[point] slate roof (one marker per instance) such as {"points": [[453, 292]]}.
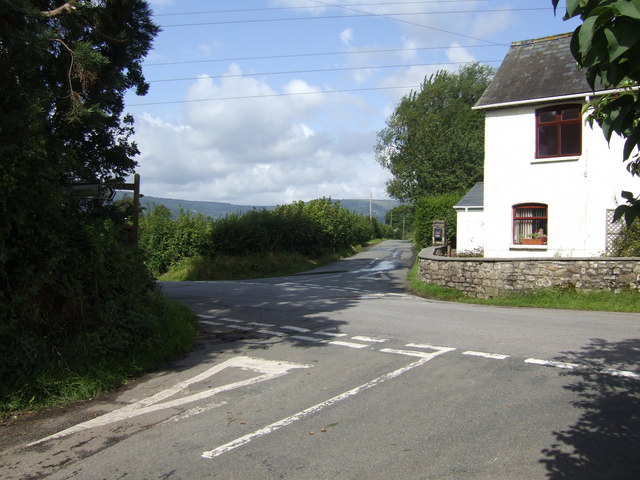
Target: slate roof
{"points": [[474, 197], [532, 69]]}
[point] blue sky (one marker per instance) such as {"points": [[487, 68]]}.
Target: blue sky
{"points": [[264, 102]]}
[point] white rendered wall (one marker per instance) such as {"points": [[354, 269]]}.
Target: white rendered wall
{"points": [[577, 190], [470, 229]]}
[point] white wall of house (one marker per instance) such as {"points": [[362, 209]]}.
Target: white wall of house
{"points": [[578, 190], [470, 229]]}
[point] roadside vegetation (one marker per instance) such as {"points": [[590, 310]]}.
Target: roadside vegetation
{"points": [[259, 243], [79, 311]]}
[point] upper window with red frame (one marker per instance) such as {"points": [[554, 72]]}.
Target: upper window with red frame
{"points": [[559, 131]]}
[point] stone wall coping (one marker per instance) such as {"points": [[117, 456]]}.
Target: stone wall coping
{"points": [[428, 253]]}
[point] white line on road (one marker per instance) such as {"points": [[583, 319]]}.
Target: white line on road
{"points": [[551, 363], [369, 339], [621, 373], [192, 412], [295, 329], [426, 346], [495, 356], [214, 324], [309, 339], [347, 344], [316, 408], [271, 332], [414, 353], [330, 334]]}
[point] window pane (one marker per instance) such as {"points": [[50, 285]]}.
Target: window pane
{"points": [[530, 221], [547, 117], [547, 140], [570, 139], [570, 114]]}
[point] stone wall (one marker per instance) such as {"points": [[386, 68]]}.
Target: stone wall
{"points": [[489, 277]]}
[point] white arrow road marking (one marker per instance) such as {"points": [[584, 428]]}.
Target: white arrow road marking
{"points": [[425, 357], [268, 369]]}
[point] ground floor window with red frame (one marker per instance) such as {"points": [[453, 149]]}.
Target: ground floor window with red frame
{"points": [[530, 224]]}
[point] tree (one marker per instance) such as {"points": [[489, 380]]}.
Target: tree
{"points": [[607, 46], [400, 219], [65, 270], [434, 142]]}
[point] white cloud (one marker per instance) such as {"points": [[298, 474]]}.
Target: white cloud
{"points": [[207, 49], [458, 54], [346, 36], [257, 151]]}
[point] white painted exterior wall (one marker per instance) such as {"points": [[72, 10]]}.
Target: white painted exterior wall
{"points": [[469, 229], [577, 190]]}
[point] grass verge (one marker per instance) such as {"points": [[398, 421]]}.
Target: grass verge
{"points": [[564, 298], [259, 265], [78, 372]]}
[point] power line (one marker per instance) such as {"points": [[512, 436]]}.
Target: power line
{"points": [[313, 54], [309, 7], [415, 24], [317, 70], [322, 92], [357, 15]]}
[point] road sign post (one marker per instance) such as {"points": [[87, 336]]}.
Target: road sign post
{"points": [[135, 217]]}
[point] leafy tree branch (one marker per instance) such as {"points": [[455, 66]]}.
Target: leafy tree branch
{"points": [[607, 46]]}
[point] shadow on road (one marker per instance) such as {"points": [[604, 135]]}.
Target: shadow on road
{"points": [[605, 442]]}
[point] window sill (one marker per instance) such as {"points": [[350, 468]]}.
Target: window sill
{"points": [[528, 247], [572, 158]]}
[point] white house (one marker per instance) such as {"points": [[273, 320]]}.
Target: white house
{"points": [[549, 178]]}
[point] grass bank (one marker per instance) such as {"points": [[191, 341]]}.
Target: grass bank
{"points": [[547, 298], [248, 266], [81, 372]]}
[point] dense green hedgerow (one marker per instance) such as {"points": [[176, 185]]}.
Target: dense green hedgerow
{"points": [[305, 228], [430, 209], [89, 310]]}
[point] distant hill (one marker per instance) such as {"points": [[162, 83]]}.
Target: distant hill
{"points": [[218, 210]]}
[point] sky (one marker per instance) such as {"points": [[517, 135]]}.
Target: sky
{"points": [[266, 102]]}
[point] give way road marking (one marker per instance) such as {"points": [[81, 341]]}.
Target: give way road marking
{"points": [[268, 369]]}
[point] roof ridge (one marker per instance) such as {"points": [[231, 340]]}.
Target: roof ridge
{"points": [[549, 38]]}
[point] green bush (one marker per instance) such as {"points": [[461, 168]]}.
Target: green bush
{"points": [[166, 241], [400, 219], [89, 302], [309, 229], [628, 242]]}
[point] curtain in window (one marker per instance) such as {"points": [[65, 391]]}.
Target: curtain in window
{"points": [[529, 221]]}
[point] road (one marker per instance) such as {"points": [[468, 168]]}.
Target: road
{"points": [[340, 374]]}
